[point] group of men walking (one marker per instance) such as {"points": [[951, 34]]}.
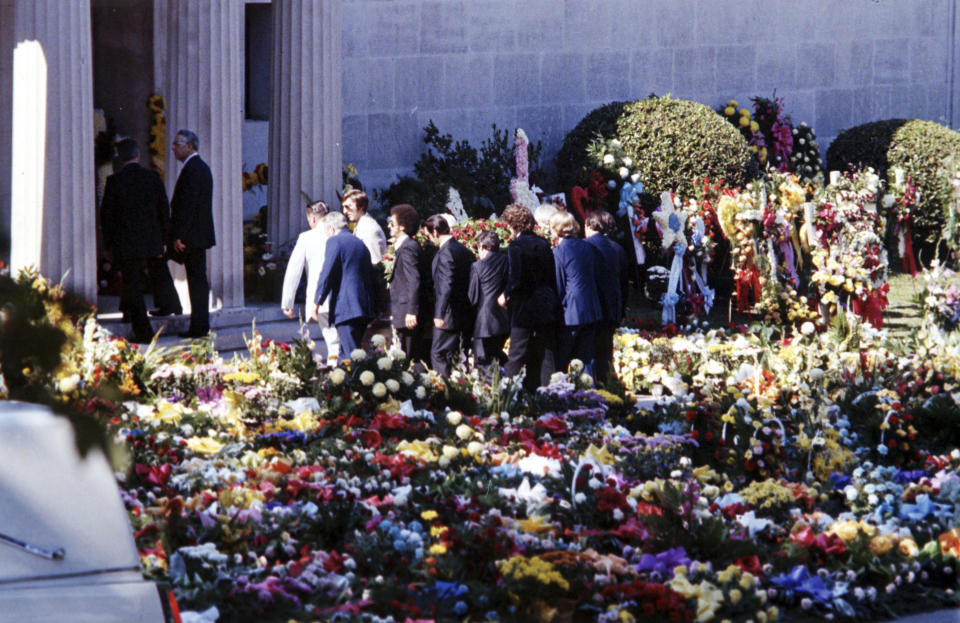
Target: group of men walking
{"points": [[554, 305]]}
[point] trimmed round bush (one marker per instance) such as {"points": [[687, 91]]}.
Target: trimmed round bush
{"points": [[674, 143], [919, 148], [573, 163]]}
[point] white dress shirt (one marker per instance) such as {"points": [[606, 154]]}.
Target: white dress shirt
{"points": [[310, 248], [368, 231]]}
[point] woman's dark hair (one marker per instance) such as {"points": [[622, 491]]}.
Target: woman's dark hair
{"points": [[518, 218]]}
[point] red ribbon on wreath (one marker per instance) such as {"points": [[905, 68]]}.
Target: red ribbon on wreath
{"points": [[905, 234], [748, 287], [870, 306]]}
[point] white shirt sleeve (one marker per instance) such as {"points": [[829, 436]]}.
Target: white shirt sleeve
{"points": [[370, 233], [291, 278]]}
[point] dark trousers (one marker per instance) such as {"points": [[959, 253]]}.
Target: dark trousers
{"points": [[350, 333], [603, 351], [534, 348], [489, 350], [446, 343], [413, 343], [576, 342], [165, 296], [195, 262], [132, 296]]}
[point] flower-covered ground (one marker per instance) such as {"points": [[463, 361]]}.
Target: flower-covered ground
{"points": [[733, 476]]}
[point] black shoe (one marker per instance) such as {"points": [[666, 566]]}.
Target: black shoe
{"points": [[191, 334], [165, 312]]}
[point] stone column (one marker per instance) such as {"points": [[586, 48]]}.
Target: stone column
{"points": [[305, 112], [6, 123], [204, 92], [53, 178]]}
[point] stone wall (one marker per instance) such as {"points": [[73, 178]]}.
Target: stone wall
{"points": [[543, 64]]}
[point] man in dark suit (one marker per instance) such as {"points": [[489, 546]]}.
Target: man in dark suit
{"points": [[613, 285], [488, 280], [134, 216], [192, 227], [577, 279], [347, 279], [409, 299], [452, 314], [531, 300]]}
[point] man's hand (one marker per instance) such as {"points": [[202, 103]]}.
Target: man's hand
{"points": [[288, 313], [178, 246], [410, 320], [439, 323]]}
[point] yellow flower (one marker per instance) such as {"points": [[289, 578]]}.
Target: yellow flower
{"points": [[601, 455], [744, 122], [438, 548], [244, 378], [429, 515], [846, 530], [908, 547], [733, 103], [754, 126], [204, 445], [729, 111], [881, 544], [735, 596], [535, 525]]}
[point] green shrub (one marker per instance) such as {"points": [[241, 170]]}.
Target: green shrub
{"points": [[674, 144], [919, 148], [481, 177], [573, 166]]}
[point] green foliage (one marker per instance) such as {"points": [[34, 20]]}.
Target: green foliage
{"points": [[674, 144], [918, 147], [37, 329], [573, 167], [482, 177]]}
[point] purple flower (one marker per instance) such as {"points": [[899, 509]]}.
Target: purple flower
{"points": [[664, 562]]}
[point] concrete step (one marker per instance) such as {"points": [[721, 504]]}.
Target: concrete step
{"points": [[231, 327]]}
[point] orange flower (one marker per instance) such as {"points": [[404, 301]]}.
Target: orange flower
{"points": [[950, 542]]}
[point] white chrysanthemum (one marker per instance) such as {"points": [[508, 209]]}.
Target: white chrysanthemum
{"points": [[586, 380], [474, 448], [385, 363], [68, 383], [454, 418], [379, 390], [624, 173], [450, 451], [393, 386], [575, 366], [608, 159], [367, 378], [407, 378], [378, 341], [464, 432], [358, 354], [627, 162], [420, 393], [338, 376], [807, 328]]}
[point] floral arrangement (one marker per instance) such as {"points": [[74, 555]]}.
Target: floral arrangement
{"points": [[158, 133], [262, 266], [773, 139], [256, 178], [754, 485], [940, 297], [850, 264]]}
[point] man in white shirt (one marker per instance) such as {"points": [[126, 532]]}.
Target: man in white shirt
{"points": [[310, 248], [355, 203]]}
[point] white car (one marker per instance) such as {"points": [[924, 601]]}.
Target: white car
{"points": [[67, 553]]}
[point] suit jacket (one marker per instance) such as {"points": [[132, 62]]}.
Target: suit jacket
{"points": [[134, 213], [488, 279], [347, 279], [612, 281], [577, 278], [451, 279], [192, 206], [532, 299], [407, 292]]}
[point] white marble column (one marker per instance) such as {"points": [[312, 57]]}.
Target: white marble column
{"points": [[52, 177], [305, 112], [6, 123], [203, 86]]}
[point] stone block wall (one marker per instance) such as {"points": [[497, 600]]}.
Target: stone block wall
{"points": [[543, 64]]}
